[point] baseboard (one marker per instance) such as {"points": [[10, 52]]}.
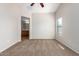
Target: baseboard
{"points": [[41, 39], [67, 45], [15, 42]]}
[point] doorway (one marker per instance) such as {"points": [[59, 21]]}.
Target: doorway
{"points": [[25, 22]]}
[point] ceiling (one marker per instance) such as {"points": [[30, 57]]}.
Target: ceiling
{"points": [[48, 7]]}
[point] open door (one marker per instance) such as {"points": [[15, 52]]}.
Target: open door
{"points": [[25, 22]]}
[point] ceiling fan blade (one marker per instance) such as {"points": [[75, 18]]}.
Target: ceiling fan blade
{"points": [[42, 5], [32, 4]]}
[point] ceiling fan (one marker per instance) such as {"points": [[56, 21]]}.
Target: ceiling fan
{"points": [[41, 4]]}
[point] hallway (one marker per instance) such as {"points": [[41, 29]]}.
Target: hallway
{"points": [[38, 48]]}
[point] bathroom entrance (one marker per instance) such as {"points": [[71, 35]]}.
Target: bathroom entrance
{"points": [[25, 22]]}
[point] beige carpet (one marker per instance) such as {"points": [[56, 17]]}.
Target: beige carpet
{"points": [[38, 48]]}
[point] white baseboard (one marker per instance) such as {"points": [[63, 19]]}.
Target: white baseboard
{"points": [[66, 44], [9, 45]]}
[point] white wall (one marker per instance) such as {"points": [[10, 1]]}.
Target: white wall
{"points": [[35, 11], [43, 26], [10, 24], [48, 8], [36, 8], [25, 10], [9, 17], [70, 33]]}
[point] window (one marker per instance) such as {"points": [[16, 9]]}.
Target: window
{"points": [[59, 25]]}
